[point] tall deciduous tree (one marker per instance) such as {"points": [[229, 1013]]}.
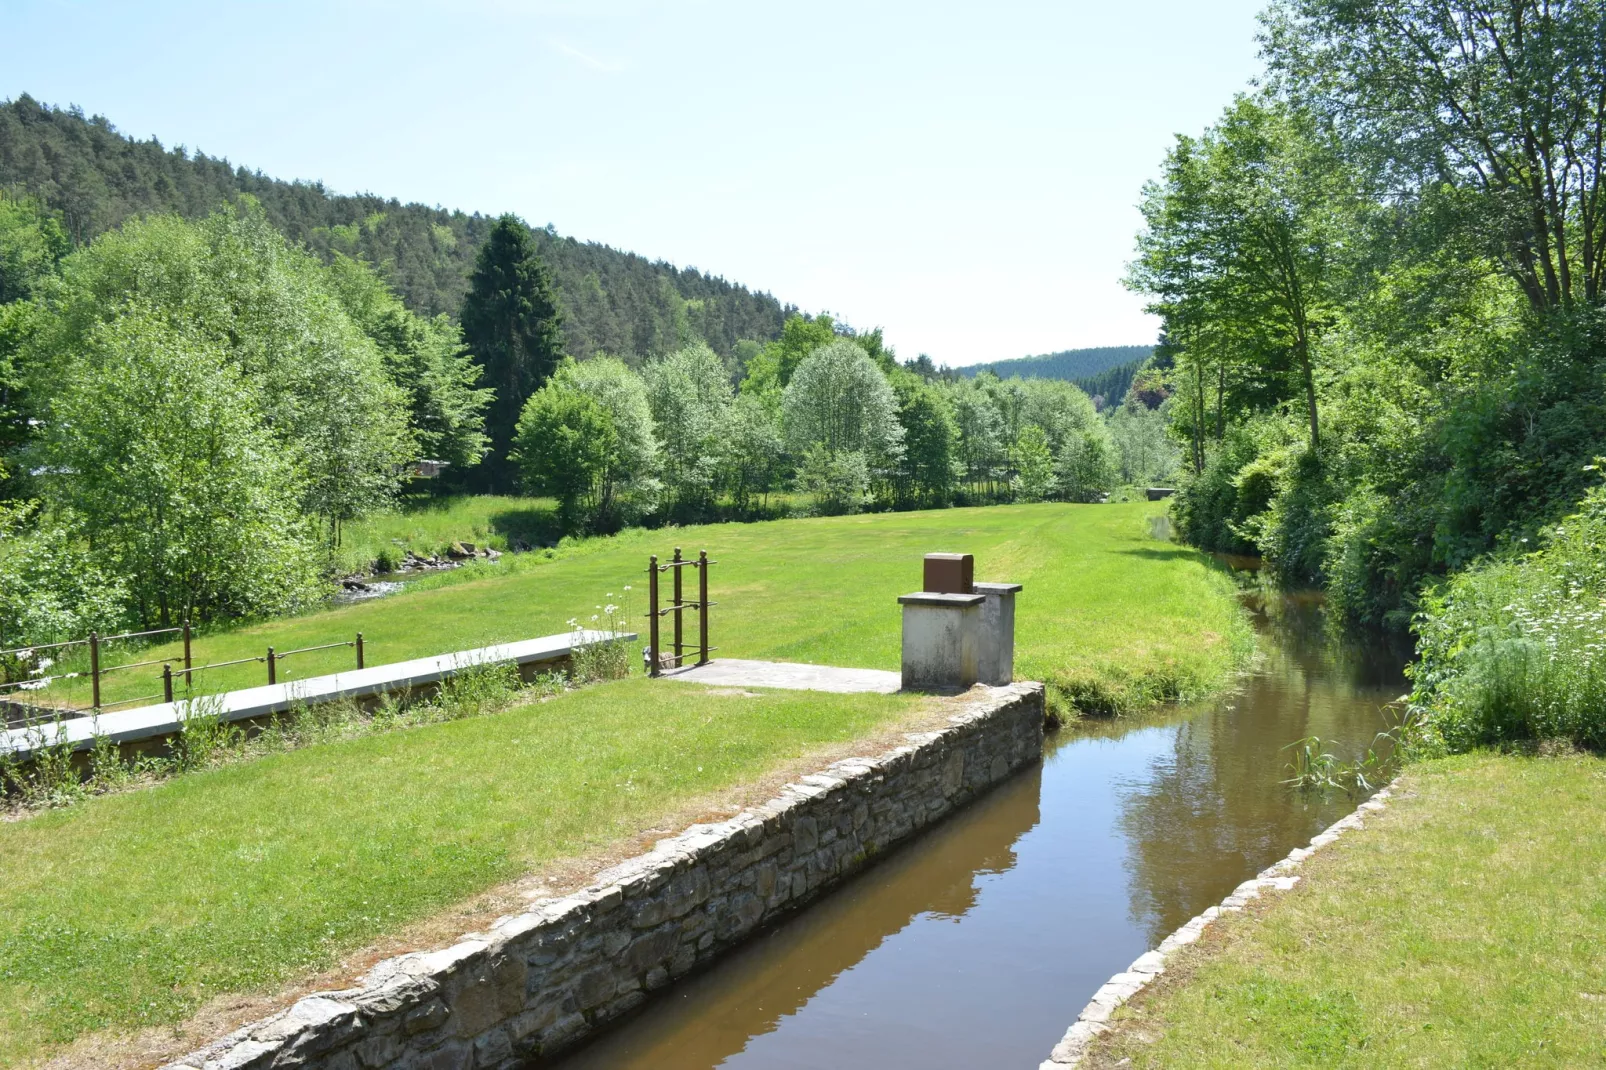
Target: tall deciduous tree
{"points": [[564, 446], [627, 485], [927, 472], [840, 416], [690, 396], [323, 392], [513, 325], [1241, 240], [425, 358], [158, 446], [1505, 100]]}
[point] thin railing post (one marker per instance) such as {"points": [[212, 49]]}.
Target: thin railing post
{"points": [[186, 654], [679, 644], [359, 650], [167, 683], [652, 615], [273, 670], [702, 607], [94, 669]]}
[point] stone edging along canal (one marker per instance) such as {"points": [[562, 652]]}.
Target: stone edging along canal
{"points": [[1279, 876], [539, 982]]}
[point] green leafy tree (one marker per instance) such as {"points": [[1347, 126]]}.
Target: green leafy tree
{"points": [[52, 588], [1147, 453], [1034, 466], [1084, 467], [770, 369], [564, 447], [981, 453], [1240, 247], [1504, 101], [839, 399], [691, 396], [158, 449], [628, 487], [233, 282], [32, 245], [926, 475], [513, 325], [752, 454], [426, 359], [834, 482]]}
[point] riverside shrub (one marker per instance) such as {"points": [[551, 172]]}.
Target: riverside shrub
{"points": [[1514, 648]]}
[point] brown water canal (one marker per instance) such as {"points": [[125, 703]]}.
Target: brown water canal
{"points": [[978, 944]]}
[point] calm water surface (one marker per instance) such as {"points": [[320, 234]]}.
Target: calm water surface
{"points": [[978, 944]]}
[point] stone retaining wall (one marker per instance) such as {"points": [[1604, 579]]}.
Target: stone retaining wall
{"points": [[539, 982]]}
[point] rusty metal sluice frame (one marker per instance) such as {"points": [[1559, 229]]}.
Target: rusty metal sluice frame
{"points": [[655, 658]]}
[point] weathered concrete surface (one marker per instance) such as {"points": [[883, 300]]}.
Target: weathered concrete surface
{"points": [[734, 672], [996, 661], [538, 982], [166, 718], [941, 640]]}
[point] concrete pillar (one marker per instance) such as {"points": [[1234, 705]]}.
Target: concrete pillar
{"points": [[996, 664], [941, 640]]}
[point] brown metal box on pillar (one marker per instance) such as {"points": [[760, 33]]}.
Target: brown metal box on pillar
{"points": [[950, 574]]}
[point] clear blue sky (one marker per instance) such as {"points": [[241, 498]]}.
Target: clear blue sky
{"points": [[964, 175]]}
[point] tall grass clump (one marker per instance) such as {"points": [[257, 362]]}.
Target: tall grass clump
{"points": [[1514, 649]]}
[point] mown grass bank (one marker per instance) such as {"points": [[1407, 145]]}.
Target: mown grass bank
{"points": [[1111, 618], [1461, 927], [429, 525], [132, 910]]}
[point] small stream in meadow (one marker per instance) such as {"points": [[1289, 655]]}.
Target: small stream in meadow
{"points": [[978, 944]]}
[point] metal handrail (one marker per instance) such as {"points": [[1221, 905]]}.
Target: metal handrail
{"points": [[309, 649], [87, 641]]}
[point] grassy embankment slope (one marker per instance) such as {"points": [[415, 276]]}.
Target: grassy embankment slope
{"points": [[1111, 618], [1461, 927], [133, 910]]}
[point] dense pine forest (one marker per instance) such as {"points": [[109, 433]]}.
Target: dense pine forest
{"points": [[1070, 364], [85, 169]]}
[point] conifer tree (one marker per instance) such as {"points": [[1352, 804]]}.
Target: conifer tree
{"points": [[513, 326]]}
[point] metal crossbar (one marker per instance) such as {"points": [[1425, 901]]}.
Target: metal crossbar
{"points": [[92, 638], [678, 607]]}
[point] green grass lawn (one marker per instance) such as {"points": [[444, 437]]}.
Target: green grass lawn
{"points": [[1462, 927], [132, 909], [1110, 617]]}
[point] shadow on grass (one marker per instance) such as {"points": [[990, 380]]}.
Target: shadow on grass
{"points": [[528, 528], [1169, 554]]}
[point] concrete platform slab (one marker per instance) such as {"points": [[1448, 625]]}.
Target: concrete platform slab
{"points": [[164, 719], [789, 676]]}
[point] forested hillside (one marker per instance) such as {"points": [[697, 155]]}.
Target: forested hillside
{"points": [[613, 301], [1108, 388], [1066, 364]]}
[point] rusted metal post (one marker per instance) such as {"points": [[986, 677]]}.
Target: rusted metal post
{"points": [[359, 650], [186, 654], [702, 607], [273, 669], [94, 670], [679, 599], [167, 683], [652, 615]]}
